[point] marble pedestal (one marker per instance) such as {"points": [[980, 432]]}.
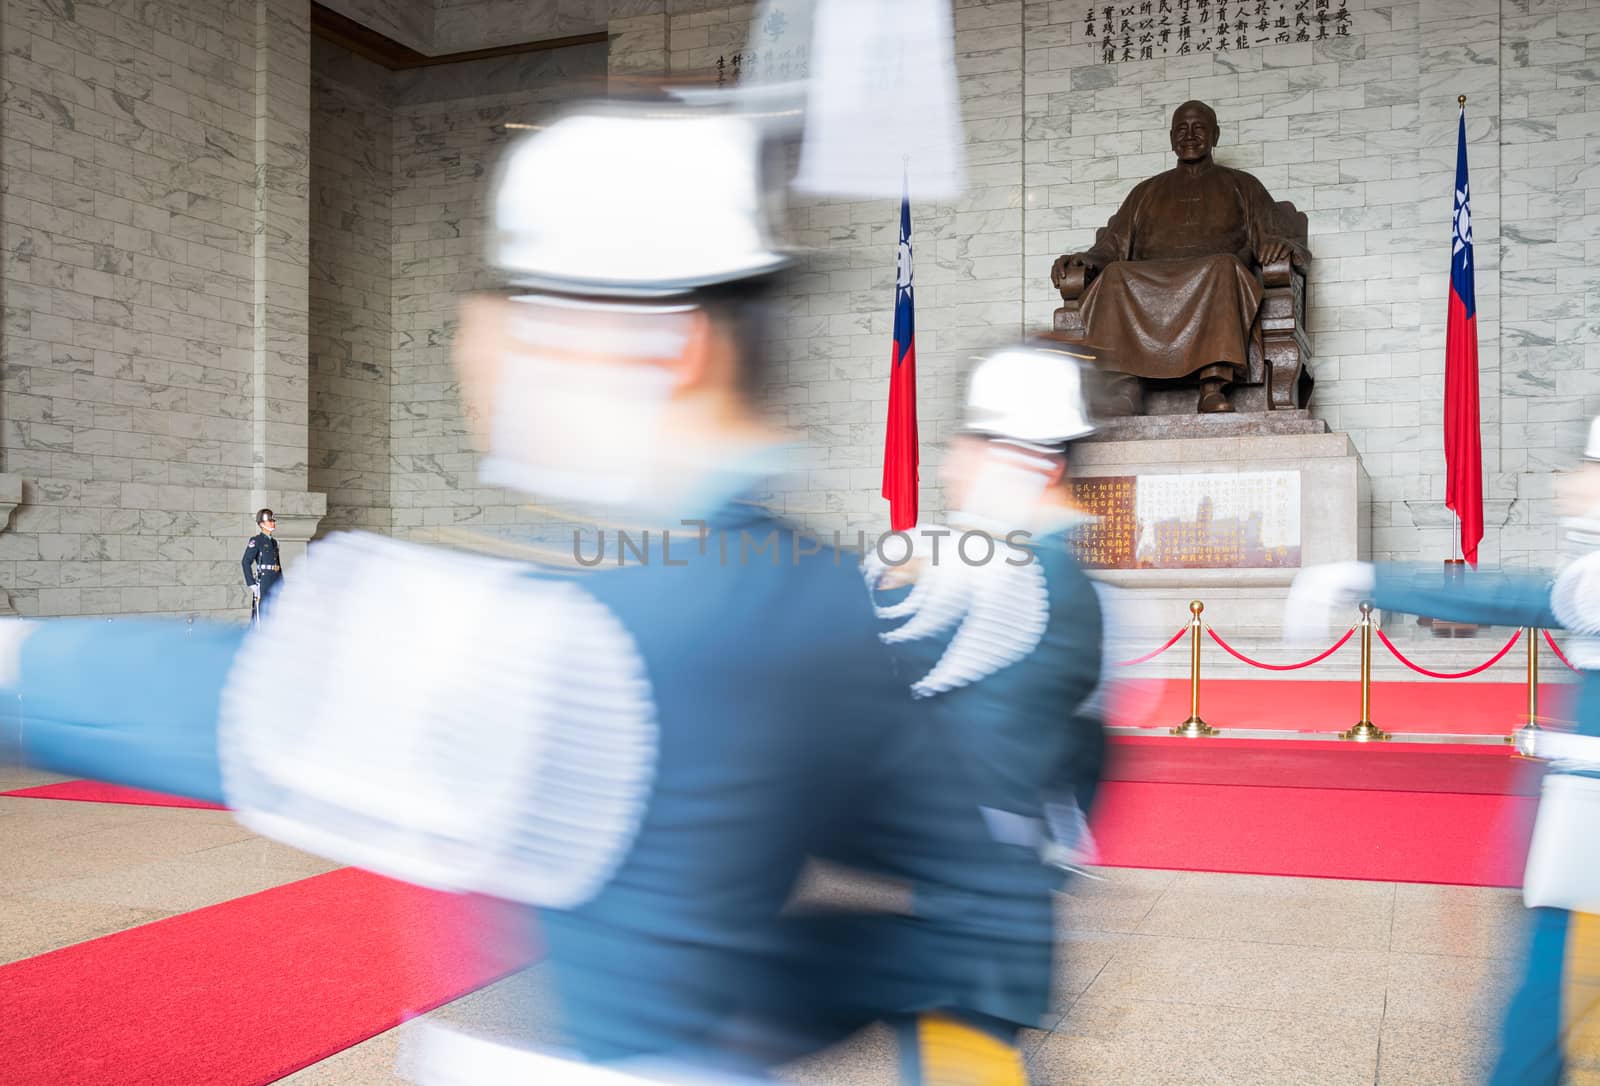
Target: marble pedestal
{"points": [[1335, 517]]}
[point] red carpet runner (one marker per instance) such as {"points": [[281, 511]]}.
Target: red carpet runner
{"points": [[96, 792], [1314, 763], [248, 991], [1344, 811], [1468, 840]]}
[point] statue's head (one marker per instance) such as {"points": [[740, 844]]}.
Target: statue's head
{"points": [[1194, 131]]}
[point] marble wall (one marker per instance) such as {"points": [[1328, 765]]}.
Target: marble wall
{"points": [[1549, 336], [1359, 131], [409, 22], [477, 24], [154, 290], [1361, 134], [446, 147], [352, 187], [400, 170], [224, 287]]}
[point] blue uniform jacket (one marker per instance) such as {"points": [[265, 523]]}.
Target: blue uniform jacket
{"points": [[1021, 739], [1498, 599]]}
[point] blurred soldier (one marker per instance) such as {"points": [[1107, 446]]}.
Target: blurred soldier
{"points": [[1000, 636], [647, 754], [263, 568], [1541, 1016]]}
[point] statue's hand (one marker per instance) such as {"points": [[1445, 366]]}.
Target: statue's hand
{"points": [[1058, 272], [1272, 251]]}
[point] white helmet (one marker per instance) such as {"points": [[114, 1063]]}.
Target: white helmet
{"points": [[1030, 393], [634, 200]]}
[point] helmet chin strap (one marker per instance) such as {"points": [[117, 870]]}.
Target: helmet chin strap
{"points": [[1004, 494], [583, 433], [580, 401]]}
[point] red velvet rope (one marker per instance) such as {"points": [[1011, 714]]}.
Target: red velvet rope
{"points": [[1555, 648], [1152, 655], [1485, 666], [1318, 658]]}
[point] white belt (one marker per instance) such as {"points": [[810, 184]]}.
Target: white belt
{"points": [[435, 1055]]}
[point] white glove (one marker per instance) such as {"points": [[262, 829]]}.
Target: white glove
{"points": [[1325, 596], [13, 632], [255, 591]]}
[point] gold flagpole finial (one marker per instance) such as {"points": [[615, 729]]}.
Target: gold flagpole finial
{"points": [[1461, 99]]}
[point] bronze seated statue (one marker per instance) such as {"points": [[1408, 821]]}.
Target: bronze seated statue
{"points": [[1200, 277]]}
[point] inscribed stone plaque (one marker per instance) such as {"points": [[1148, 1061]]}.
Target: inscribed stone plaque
{"points": [[1242, 520], [1152, 29]]}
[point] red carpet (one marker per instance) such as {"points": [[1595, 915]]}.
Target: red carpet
{"points": [[247, 991], [1460, 708], [1391, 813], [95, 792], [1332, 833], [1383, 767]]}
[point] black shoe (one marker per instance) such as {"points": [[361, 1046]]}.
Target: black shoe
{"points": [[1213, 401]]}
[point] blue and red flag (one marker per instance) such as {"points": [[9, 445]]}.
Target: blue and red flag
{"points": [[900, 442], [1463, 442]]}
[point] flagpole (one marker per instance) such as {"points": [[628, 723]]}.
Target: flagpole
{"points": [[1456, 566], [1461, 104]]}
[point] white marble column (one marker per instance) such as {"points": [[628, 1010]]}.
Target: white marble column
{"points": [[280, 348]]}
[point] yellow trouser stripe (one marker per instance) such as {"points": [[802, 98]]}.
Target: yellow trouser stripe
{"points": [[954, 1054], [1580, 988]]}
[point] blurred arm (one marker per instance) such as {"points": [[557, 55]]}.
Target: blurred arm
{"points": [[133, 703], [1495, 599]]}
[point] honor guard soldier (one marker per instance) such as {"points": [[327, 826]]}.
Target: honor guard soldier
{"points": [[647, 755], [263, 567], [1551, 1016], [1000, 635]]}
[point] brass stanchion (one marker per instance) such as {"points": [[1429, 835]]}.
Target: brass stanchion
{"points": [[1523, 738], [1365, 731], [1194, 727]]}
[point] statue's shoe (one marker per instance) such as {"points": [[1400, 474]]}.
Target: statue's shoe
{"points": [[1214, 403], [1124, 406]]}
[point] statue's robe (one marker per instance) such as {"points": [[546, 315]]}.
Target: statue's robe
{"points": [[1179, 291]]}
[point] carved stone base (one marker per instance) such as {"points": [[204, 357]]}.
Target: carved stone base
{"points": [[1335, 517], [1183, 427]]}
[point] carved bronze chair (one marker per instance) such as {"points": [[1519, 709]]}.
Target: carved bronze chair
{"points": [[1280, 357]]}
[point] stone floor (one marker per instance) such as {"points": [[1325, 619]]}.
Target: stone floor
{"points": [[1167, 977]]}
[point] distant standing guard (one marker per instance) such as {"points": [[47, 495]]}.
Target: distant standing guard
{"points": [[263, 568]]}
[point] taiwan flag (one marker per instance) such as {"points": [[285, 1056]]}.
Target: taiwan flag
{"points": [[900, 443], [1463, 444]]}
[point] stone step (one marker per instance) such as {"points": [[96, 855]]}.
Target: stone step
{"points": [[1191, 425]]}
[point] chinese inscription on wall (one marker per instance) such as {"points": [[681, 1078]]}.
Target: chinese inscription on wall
{"points": [[1151, 29], [1244, 520], [769, 64]]}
